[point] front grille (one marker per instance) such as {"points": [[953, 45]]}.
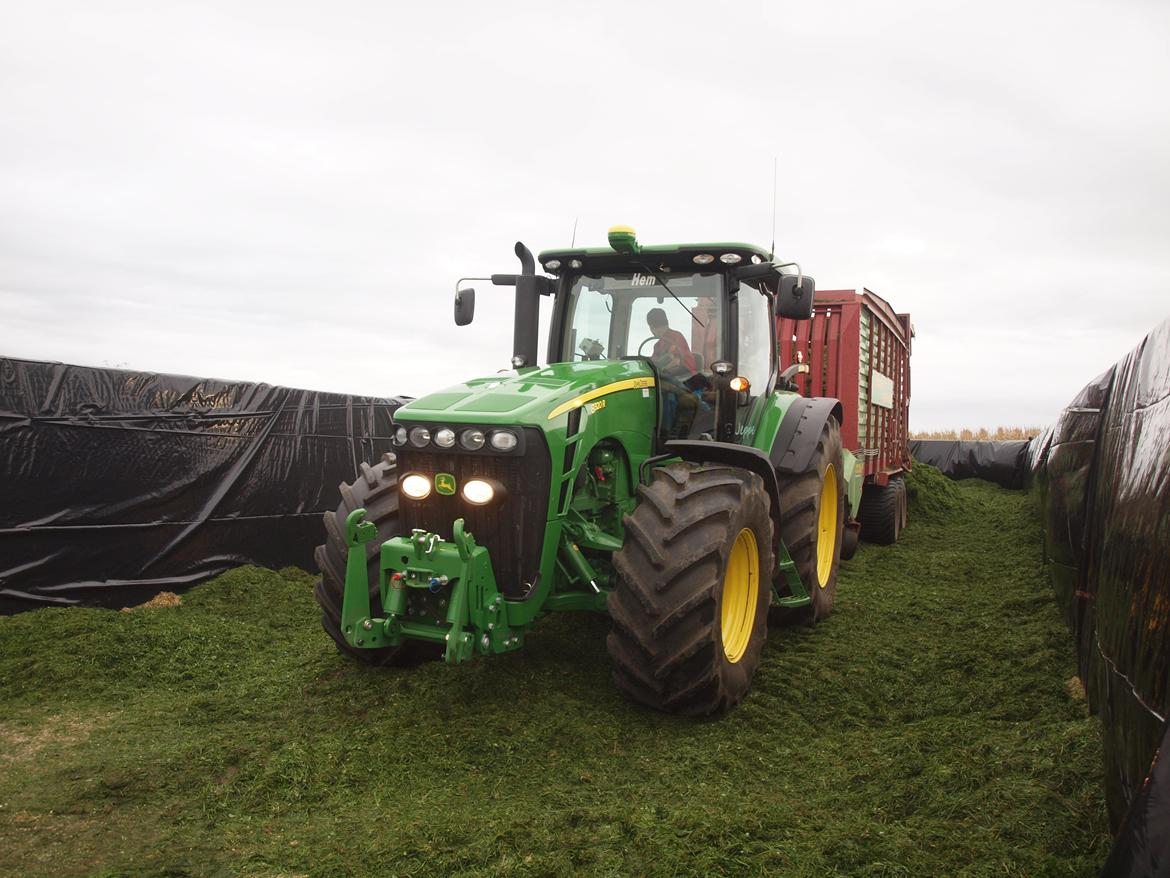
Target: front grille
{"points": [[512, 528]]}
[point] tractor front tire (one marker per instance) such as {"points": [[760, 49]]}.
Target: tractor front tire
{"points": [[376, 491], [690, 603], [812, 506]]}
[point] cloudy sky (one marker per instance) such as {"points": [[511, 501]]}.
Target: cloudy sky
{"points": [[287, 192]]}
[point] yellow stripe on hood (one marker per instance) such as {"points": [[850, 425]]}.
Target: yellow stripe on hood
{"points": [[577, 401]]}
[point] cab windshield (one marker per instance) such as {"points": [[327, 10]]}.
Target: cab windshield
{"points": [[613, 316]]}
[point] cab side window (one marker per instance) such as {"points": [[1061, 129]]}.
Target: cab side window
{"points": [[756, 332]]}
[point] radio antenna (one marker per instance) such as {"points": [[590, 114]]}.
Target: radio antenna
{"points": [[573, 242], [772, 252]]}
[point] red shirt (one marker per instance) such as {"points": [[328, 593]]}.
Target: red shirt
{"points": [[674, 342]]}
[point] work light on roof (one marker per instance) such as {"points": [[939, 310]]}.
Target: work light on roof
{"points": [[730, 258], [552, 264], [704, 259], [575, 263]]}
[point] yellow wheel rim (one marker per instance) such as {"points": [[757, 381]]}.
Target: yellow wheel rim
{"points": [[827, 527], [741, 592]]}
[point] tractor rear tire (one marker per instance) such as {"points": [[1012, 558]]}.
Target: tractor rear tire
{"points": [[812, 506], [881, 513], [690, 604], [375, 490]]}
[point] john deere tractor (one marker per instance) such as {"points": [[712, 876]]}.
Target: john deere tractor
{"points": [[659, 467]]}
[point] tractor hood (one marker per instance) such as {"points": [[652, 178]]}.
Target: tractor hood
{"points": [[530, 397]]}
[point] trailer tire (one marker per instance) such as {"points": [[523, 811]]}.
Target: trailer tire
{"points": [[690, 603], [903, 503], [804, 530], [881, 513], [375, 490], [849, 539]]}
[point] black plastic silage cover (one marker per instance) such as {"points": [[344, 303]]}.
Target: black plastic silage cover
{"points": [[1103, 479], [118, 485], [1003, 462]]}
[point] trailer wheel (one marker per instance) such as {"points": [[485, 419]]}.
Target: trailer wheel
{"points": [[881, 512], [375, 490], [690, 605], [812, 504], [849, 539], [903, 503]]}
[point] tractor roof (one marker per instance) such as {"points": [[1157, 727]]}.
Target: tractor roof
{"points": [[625, 252]]}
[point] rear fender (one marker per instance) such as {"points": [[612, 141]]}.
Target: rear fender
{"points": [[800, 431]]}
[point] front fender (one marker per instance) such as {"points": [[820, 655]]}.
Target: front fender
{"points": [[743, 456]]}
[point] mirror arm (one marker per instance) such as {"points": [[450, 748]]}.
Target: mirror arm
{"points": [[461, 280], [799, 273]]}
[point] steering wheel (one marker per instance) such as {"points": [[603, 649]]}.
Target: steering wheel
{"points": [[643, 344]]}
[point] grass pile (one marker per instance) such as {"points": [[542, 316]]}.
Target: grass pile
{"points": [[927, 728]]}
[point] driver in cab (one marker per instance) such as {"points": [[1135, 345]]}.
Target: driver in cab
{"points": [[675, 362], [672, 355]]}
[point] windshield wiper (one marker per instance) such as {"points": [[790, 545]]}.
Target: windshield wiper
{"points": [[662, 281]]}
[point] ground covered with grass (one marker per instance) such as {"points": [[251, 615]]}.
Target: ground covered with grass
{"points": [[928, 728]]}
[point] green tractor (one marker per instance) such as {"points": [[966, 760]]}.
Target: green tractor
{"points": [[660, 468]]}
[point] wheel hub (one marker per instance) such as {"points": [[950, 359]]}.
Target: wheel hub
{"points": [[741, 591]]}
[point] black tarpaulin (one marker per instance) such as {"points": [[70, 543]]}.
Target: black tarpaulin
{"points": [[1070, 459], [1002, 462], [1103, 482], [1143, 843], [118, 484]]}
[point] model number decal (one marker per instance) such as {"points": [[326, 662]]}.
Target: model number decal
{"points": [[596, 406]]}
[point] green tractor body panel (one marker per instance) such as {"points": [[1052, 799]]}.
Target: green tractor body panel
{"points": [[585, 433], [606, 400]]}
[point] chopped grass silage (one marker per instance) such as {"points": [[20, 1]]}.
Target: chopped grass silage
{"points": [[926, 728]]}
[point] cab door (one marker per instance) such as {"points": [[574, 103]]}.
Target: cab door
{"points": [[756, 357]]}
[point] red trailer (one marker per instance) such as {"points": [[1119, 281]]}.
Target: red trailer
{"points": [[858, 350]]}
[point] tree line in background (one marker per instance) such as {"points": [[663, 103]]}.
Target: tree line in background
{"points": [[997, 434]]}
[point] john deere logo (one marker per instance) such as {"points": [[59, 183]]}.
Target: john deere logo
{"points": [[445, 484]]}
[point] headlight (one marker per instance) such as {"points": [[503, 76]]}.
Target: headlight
{"points": [[400, 436], [416, 487], [444, 437], [504, 440], [420, 437], [472, 440], [477, 492]]}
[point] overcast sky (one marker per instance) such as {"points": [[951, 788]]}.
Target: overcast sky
{"points": [[288, 192]]}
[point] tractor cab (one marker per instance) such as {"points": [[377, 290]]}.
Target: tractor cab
{"points": [[702, 316]]}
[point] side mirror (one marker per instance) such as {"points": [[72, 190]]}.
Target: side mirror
{"points": [[793, 301], [464, 307]]}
